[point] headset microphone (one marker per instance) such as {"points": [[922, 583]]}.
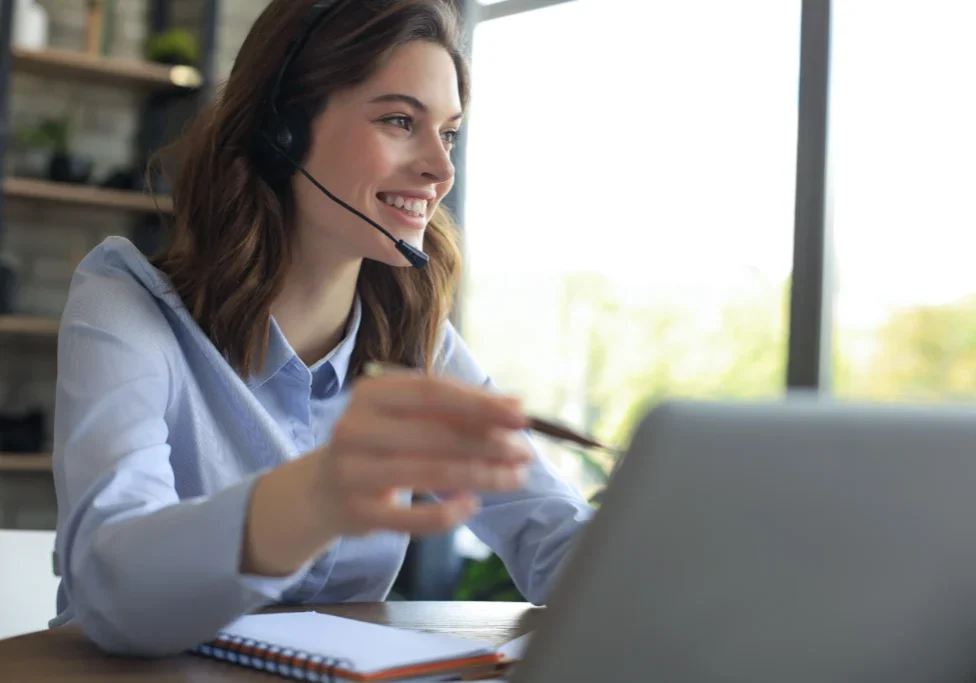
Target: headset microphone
{"points": [[283, 138], [417, 258]]}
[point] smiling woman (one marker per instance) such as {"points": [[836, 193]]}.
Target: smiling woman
{"points": [[217, 445], [416, 203], [372, 117], [377, 145]]}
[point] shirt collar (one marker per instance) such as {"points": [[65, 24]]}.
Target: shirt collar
{"points": [[341, 356], [280, 351]]}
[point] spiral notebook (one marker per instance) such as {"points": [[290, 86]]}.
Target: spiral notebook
{"points": [[309, 646]]}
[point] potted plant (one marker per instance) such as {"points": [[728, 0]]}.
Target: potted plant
{"points": [[174, 47], [51, 139], [31, 151], [66, 167]]}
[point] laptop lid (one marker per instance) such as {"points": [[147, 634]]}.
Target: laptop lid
{"points": [[796, 541]]}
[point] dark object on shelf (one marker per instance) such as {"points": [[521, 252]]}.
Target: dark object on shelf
{"points": [[133, 179], [8, 286], [125, 179], [22, 434], [70, 168]]}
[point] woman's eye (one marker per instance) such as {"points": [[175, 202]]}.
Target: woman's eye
{"points": [[450, 137], [404, 122]]}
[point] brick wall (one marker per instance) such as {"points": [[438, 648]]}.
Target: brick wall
{"points": [[46, 240]]}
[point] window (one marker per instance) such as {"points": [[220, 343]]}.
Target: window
{"points": [[629, 205], [903, 146]]}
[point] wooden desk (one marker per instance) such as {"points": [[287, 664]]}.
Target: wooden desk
{"points": [[66, 656]]}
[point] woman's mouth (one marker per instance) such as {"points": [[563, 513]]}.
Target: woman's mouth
{"points": [[415, 208]]}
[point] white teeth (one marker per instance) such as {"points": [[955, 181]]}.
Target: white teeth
{"points": [[417, 207]]}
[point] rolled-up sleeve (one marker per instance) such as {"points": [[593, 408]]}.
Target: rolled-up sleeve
{"points": [[144, 572], [532, 530]]}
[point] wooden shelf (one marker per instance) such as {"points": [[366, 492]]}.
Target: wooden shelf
{"points": [[25, 462], [84, 195], [76, 65], [28, 325]]}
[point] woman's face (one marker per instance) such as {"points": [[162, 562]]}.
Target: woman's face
{"points": [[382, 147]]}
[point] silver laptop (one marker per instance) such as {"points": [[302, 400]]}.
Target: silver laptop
{"points": [[775, 543]]}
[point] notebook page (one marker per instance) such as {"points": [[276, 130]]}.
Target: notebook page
{"points": [[369, 647], [515, 649]]}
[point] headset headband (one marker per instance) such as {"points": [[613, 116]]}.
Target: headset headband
{"points": [[315, 18]]}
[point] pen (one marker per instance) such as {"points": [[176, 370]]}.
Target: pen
{"points": [[540, 425]]}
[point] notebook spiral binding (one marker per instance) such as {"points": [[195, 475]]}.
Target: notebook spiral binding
{"points": [[285, 662]]}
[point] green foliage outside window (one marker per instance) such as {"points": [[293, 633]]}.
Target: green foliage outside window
{"points": [[641, 354]]}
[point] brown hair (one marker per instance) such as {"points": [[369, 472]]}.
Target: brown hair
{"points": [[229, 245]]}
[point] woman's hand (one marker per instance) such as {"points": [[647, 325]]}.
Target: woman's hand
{"points": [[407, 431], [401, 431]]}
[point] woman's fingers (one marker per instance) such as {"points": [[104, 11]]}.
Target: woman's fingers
{"points": [[410, 431], [420, 520], [386, 434], [367, 471], [413, 395]]}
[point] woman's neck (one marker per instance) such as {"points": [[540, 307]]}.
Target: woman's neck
{"points": [[313, 308]]}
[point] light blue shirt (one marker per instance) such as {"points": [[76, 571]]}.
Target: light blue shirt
{"points": [[157, 442]]}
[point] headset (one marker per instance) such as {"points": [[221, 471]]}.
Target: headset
{"points": [[283, 133]]}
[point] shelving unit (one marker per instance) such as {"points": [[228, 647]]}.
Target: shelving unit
{"points": [[25, 462], [126, 73], [160, 85], [104, 71], [85, 195], [28, 326]]}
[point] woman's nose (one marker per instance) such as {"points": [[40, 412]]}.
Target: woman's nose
{"points": [[436, 164]]}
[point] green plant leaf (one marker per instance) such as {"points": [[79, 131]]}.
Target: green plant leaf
{"points": [[176, 45], [54, 134], [487, 580]]}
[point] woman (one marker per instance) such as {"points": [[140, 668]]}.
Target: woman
{"points": [[217, 445]]}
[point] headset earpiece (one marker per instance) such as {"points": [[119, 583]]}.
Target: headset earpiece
{"points": [[284, 134], [285, 130]]}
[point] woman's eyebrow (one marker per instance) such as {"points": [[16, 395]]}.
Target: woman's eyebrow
{"points": [[412, 101]]}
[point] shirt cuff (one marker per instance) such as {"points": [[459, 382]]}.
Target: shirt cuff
{"points": [[273, 587]]}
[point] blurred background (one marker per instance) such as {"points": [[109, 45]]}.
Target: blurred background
{"points": [[697, 199]]}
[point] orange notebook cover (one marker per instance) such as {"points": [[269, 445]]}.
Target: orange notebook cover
{"points": [[318, 647]]}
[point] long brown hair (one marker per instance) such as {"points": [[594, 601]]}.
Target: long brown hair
{"points": [[228, 252]]}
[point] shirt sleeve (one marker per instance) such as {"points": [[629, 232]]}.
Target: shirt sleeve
{"points": [[144, 572], [532, 530]]}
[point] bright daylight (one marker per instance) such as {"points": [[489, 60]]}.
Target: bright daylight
{"points": [[624, 249]]}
